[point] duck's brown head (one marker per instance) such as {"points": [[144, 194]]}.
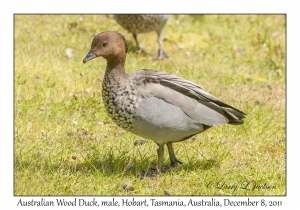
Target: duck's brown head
{"points": [[110, 45]]}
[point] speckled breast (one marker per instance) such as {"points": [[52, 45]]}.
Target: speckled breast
{"points": [[120, 103]]}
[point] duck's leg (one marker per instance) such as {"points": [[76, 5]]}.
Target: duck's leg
{"points": [[173, 159], [160, 153], [159, 167], [136, 41], [161, 53]]}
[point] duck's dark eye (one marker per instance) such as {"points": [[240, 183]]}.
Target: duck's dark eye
{"points": [[104, 43]]}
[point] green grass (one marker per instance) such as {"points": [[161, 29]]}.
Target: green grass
{"points": [[65, 143]]}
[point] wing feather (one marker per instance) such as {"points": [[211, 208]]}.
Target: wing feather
{"points": [[193, 100]]}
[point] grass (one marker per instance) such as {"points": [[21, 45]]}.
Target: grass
{"points": [[65, 143]]}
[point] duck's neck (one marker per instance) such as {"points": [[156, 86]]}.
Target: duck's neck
{"points": [[115, 71]]}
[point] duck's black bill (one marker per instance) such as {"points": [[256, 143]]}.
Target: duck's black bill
{"points": [[89, 56]]}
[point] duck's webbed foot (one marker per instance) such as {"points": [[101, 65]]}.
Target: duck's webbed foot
{"points": [[159, 167], [161, 54]]}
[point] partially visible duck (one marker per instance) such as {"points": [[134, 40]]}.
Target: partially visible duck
{"points": [[136, 24], [156, 105]]}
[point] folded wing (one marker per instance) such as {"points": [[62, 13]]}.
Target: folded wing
{"points": [[191, 98]]}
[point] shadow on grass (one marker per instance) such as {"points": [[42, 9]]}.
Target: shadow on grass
{"points": [[207, 164], [109, 166]]}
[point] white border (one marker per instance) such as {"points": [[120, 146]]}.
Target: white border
{"points": [[8, 8]]}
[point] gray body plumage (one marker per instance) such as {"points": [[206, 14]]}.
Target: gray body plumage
{"points": [[166, 123], [164, 108]]}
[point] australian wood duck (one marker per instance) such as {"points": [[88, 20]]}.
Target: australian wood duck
{"points": [[156, 105], [136, 24]]}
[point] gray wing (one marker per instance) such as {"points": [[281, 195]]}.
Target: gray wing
{"points": [[190, 97]]}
